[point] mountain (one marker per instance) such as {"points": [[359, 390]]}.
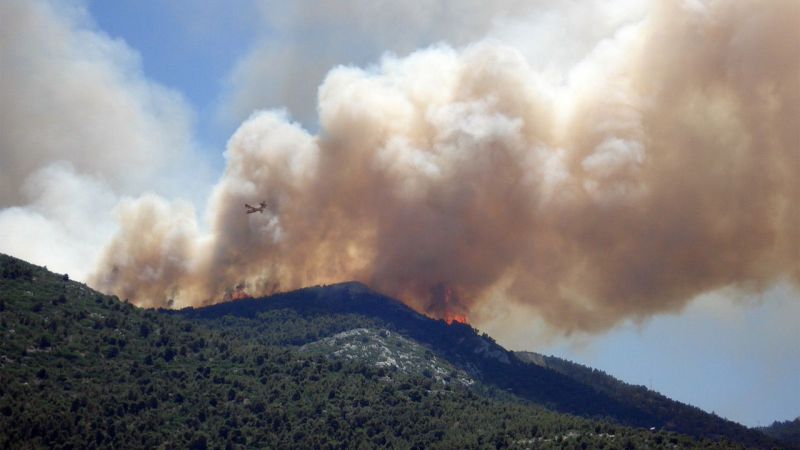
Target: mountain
{"points": [[668, 413], [551, 382], [788, 431], [327, 367]]}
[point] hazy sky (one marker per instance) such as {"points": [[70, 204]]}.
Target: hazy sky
{"points": [[117, 115]]}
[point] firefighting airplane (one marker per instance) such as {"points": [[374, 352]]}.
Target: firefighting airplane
{"points": [[254, 209]]}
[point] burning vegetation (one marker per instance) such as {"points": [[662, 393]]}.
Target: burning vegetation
{"points": [[452, 318], [450, 307], [237, 293]]}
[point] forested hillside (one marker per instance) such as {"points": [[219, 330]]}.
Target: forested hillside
{"points": [[83, 370], [788, 431], [675, 415], [559, 385]]}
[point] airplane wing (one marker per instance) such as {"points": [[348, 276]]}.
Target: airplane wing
{"points": [[254, 209]]}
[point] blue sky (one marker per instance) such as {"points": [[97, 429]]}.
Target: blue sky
{"points": [[731, 353], [736, 360], [189, 48]]}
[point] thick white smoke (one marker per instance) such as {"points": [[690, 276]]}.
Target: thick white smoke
{"points": [[659, 165], [304, 40]]}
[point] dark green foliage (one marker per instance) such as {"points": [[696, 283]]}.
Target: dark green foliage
{"points": [[560, 390], [110, 375], [686, 418], [14, 269], [788, 432]]}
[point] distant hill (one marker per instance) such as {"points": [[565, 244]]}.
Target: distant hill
{"points": [[788, 431], [326, 367], [669, 413]]}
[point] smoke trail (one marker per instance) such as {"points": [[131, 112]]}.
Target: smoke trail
{"points": [[661, 167]]}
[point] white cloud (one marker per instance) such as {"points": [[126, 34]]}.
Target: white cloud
{"points": [[79, 124], [303, 40]]}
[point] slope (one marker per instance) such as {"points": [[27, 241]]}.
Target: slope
{"points": [[79, 369], [671, 414], [788, 431], [483, 359]]}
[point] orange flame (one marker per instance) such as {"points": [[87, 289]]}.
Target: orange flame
{"points": [[238, 293], [451, 316]]}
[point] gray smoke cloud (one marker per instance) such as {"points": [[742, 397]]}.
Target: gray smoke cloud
{"points": [[660, 166], [304, 40], [72, 94]]}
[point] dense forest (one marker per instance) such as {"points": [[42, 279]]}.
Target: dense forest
{"points": [[79, 369], [675, 415], [552, 382], [788, 431]]}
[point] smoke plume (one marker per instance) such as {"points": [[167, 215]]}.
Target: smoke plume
{"points": [[303, 41], [660, 166], [80, 125]]}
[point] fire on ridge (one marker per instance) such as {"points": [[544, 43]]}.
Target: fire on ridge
{"points": [[659, 168]]}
